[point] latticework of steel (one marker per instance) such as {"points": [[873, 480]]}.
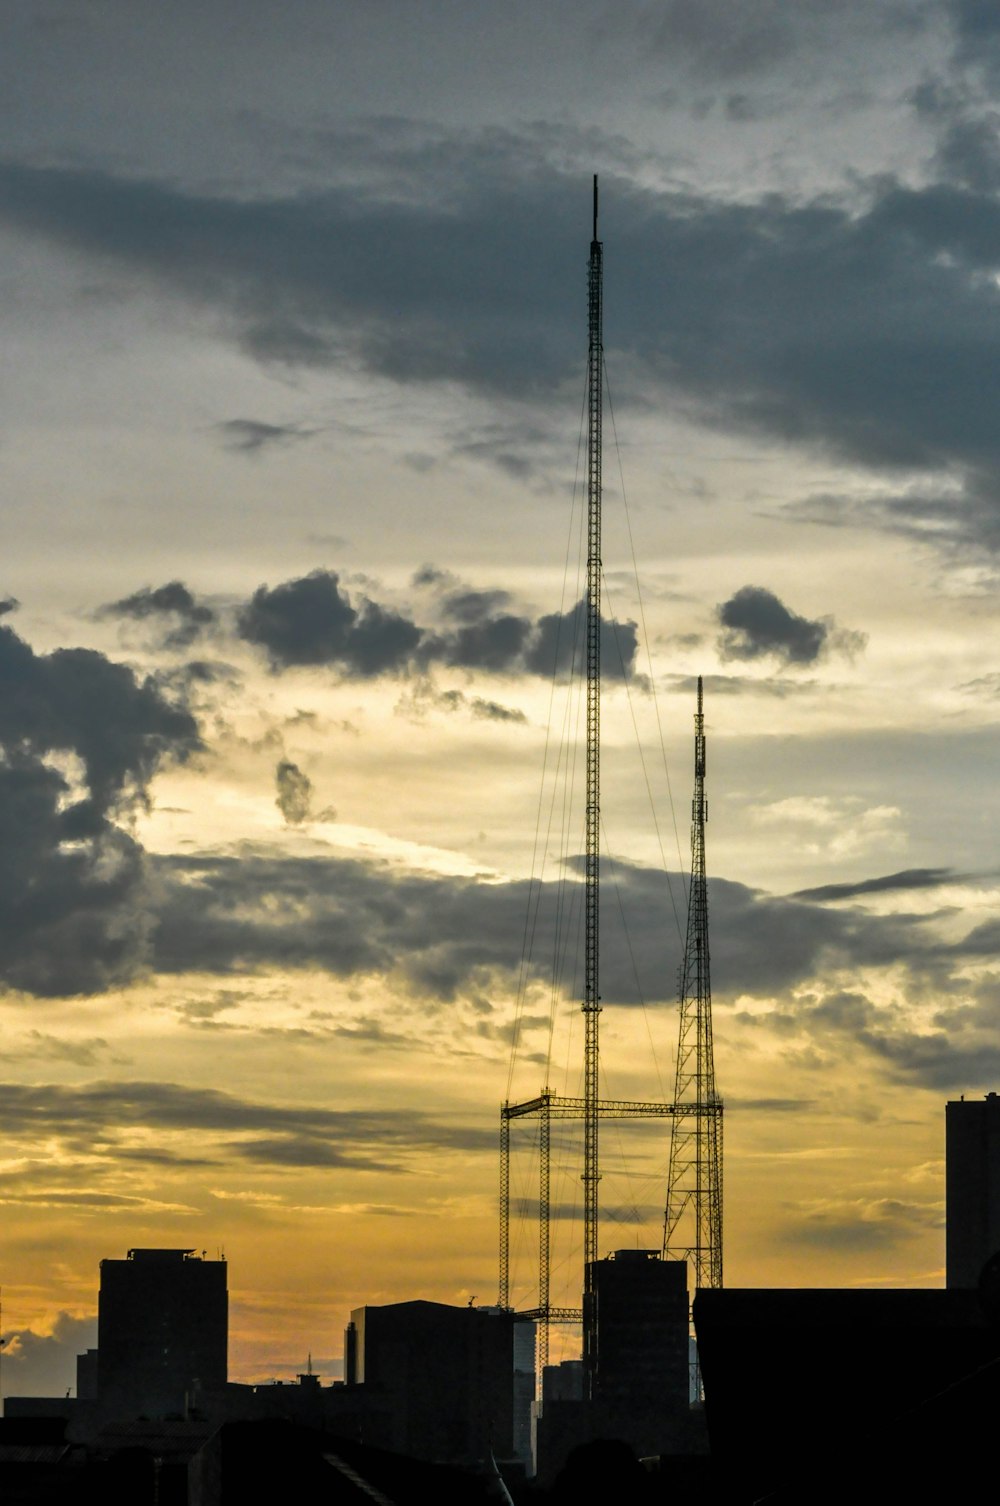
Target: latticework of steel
{"points": [[592, 890], [692, 1225], [546, 1107]]}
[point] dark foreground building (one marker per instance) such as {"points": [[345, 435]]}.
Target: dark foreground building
{"points": [[641, 1381], [972, 1187], [641, 1323], [833, 1396], [162, 1332], [440, 1379]]}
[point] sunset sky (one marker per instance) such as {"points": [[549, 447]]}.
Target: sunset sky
{"points": [[293, 343]]}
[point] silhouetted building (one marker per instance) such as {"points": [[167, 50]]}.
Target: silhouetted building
{"points": [[641, 1380], [524, 1392], [972, 1187], [443, 1375], [86, 1375], [642, 1328], [161, 1331], [562, 1382], [848, 1395]]}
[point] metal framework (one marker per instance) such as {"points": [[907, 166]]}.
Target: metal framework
{"points": [[546, 1107], [696, 1149], [692, 1223], [592, 890]]}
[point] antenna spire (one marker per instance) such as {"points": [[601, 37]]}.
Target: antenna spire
{"points": [[694, 1181]]}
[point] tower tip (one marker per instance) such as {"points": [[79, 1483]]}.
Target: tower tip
{"points": [[594, 237]]}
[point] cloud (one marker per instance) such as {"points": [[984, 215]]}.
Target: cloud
{"points": [[442, 936], [862, 1224], [864, 329], [760, 37], [249, 436], [841, 826], [776, 687], [890, 883], [956, 1051], [106, 1114], [313, 621], [757, 625], [42, 1046], [8, 604], [174, 602], [80, 740], [44, 1364], [424, 697], [295, 792]]}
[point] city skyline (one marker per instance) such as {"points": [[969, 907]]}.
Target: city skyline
{"points": [[294, 347]]}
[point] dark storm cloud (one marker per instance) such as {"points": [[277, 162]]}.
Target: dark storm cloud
{"points": [[968, 135], [867, 329], [757, 625], [313, 621], [175, 603], [102, 1113], [442, 935], [976, 31], [890, 883], [73, 906]]}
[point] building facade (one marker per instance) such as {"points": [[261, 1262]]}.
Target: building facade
{"points": [[441, 1376], [162, 1331], [972, 1187]]}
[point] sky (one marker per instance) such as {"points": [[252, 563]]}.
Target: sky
{"points": [[292, 353]]}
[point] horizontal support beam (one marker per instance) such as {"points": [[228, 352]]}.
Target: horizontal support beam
{"points": [[554, 1314], [609, 1108]]}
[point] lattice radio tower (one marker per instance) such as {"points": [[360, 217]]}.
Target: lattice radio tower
{"points": [[692, 1224], [590, 1108]]}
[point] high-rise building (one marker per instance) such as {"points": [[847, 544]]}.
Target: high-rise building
{"points": [[972, 1187], [641, 1327], [440, 1376], [638, 1372], [162, 1330]]}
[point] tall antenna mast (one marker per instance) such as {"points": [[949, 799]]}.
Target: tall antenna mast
{"points": [[694, 1180], [591, 991], [548, 1107]]}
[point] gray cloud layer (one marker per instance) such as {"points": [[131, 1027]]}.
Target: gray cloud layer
{"points": [[71, 879], [99, 1114], [869, 330], [442, 935]]}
